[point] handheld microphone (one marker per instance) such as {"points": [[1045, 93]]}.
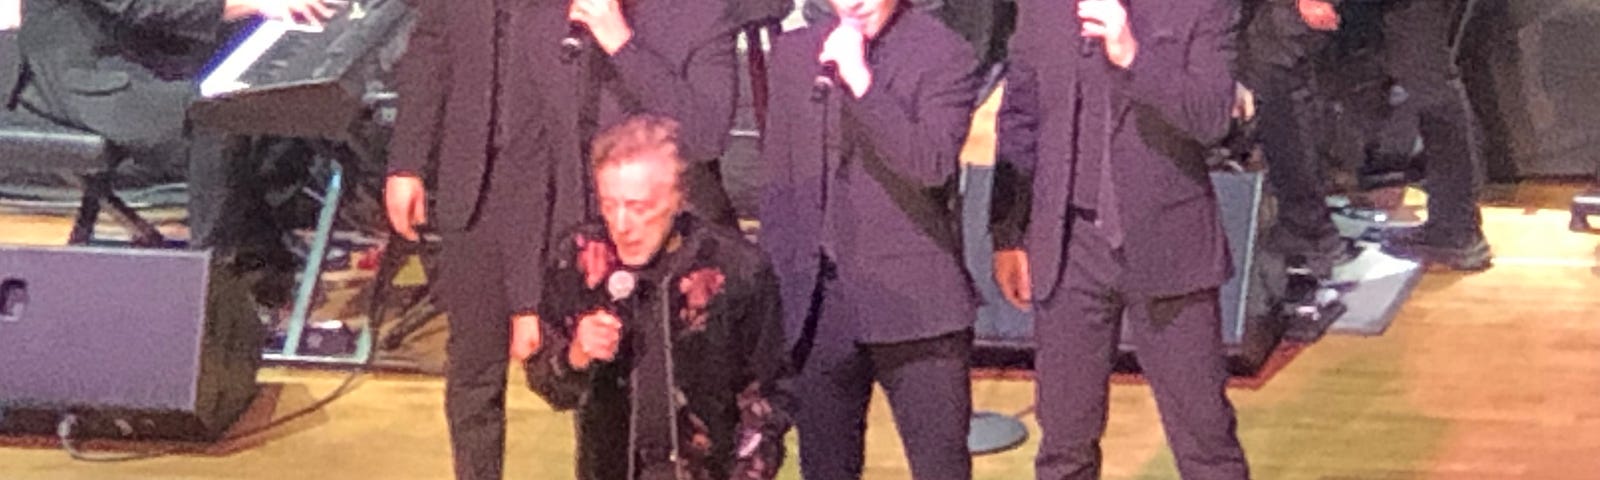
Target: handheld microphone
{"points": [[1087, 45], [824, 82], [620, 287], [577, 38], [621, 284]]}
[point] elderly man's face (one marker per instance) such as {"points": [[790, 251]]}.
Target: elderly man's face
{"points": [[639, 199]]}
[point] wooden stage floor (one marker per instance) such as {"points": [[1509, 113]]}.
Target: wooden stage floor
{"points": [[1494, 375]]}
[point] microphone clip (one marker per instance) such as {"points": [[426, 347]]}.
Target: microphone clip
{"points": [[826, 80], [574, 43]]}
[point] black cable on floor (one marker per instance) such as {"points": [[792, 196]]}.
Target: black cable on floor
{"points": [[69, 421]]}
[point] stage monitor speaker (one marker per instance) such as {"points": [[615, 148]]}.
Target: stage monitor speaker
{"points": [[1251, 326], [138, 344], [1532, 71]]}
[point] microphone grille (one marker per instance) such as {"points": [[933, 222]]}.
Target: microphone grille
{"points": [[621, 284]]}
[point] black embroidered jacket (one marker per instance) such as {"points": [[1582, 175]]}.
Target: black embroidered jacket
{"points": [[727, 353]]}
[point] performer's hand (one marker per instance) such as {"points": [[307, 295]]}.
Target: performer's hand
{"points": [[1107, 20], [1318, 14], [407, 202], [10, 15], [309, 12], [1011, 273], [1244, 103], [524, 337], [599, 333], [846, 46], [605, 21]]}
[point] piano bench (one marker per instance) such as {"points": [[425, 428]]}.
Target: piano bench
{"points": [[33, 144]]}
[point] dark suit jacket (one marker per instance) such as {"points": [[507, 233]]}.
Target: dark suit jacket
{"points": [[1169, 104], [897, 243], [680, 63], [121, 69]]}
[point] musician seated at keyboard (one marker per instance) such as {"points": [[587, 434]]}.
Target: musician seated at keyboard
{"points": [[126, 70]]}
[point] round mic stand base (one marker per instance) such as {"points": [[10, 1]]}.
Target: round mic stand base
{"points": [[994, 433]]}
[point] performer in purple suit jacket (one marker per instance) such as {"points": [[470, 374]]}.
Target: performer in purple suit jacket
{"points": [[859, 217], [1110, 217]]}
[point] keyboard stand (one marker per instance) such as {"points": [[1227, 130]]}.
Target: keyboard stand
{"points": [[311, 278]]}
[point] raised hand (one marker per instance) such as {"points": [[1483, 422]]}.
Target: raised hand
{"points": [[1107, 20], [605, 21], [846, 47], [406, 201], [1318, 14], [598, 335], [1011, 274]]}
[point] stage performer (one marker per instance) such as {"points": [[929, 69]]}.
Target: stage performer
{"points": [[1106, 118], [1418, 52], [127, 71], [860, 216], [664, 331], [498, 100], [1284, 37]]}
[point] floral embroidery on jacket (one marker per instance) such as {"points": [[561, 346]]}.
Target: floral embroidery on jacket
{"points": [[698, 288], [759, 450], [715, 440], [596, 260]]}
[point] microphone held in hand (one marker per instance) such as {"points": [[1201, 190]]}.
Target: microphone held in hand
{"points": [[621, 285], [577, 38], [825, 81]]}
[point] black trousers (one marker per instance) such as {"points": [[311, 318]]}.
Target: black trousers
{"points": [[1416, 54], [471, 287], [927, 384], [482, 277], [1279, 67], [1179, 342]]}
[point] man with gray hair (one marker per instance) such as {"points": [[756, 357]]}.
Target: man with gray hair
{"points": [[661, 329]]}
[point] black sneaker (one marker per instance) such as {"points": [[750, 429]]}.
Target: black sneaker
{"points": [[1320, 265], [1429, 246]]}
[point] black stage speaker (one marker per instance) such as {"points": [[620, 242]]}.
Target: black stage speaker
{"points": [[139, 344], [1251, 326], [1532, 71]]}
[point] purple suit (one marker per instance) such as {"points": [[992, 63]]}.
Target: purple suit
{"points": [[861, 221], [1172, 102], [1150, 262]]}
